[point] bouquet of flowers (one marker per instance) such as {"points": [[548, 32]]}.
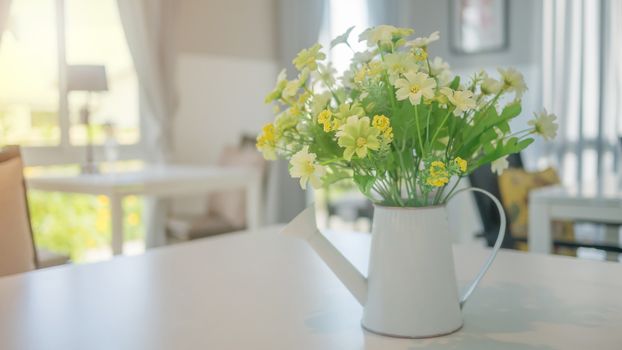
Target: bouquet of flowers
{"points": [[398, 123]]}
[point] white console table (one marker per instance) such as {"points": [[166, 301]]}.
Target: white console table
{"points": [[555, 203], [164, 181]]}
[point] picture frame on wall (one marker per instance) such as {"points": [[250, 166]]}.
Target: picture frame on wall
{"points": [[479, 26]]}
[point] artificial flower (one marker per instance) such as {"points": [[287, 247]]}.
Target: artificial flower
{"points": [[281, 82], [325, 118], [325, 73], [437, 181], [346, 110], [438, 168], [383, 35], [305, 166], [374, 69], [499, 165], [438, 175], [399, 63], [360, 75], [363, 57], [513, 81], [349, 123], [307, 58], [387, 136], [462, 100], [319, 102], [490, 86], [461, 163], [286, 120], [266, 142], [423, 42], [420, 54], [544, 124], [357, 136], [437, 66], [380, 122], [413, 86], [291, 88]]}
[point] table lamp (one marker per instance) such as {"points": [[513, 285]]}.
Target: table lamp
{"points": [[88, 78]]}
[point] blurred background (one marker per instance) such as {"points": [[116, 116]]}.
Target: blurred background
{"points": [[182, 80]]}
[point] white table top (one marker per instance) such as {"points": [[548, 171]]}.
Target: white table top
{"points": [[572, 196], [151, 179], [260, 290]]}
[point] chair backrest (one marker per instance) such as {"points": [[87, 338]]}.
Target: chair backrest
{"points": [[17, 252], [485, 179]]}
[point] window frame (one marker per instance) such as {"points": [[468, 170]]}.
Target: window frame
{"points": [[64, 152]]}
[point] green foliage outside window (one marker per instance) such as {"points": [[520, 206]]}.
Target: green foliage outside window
{"points": [[72, 224]]}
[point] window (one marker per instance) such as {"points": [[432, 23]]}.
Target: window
{"points": [[29, 96], [41, 39], [341, 16]]}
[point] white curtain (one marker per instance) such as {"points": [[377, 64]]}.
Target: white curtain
{"points": [[141, 20], [582, 84], [5, 7], [298, 28]]}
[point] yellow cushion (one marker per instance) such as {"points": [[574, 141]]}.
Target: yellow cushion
{"points": [[514, 186]]}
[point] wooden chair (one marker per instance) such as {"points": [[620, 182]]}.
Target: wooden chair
{"points": [[17, 249]]}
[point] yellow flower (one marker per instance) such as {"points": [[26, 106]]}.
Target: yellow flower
{"points": [[266, 142], [307, 58], [439, 176], [461, 163], [324, 118], [380, 122], [357, 136], [304, 166], [438, 168], [438, 181], [387, 135], [414, 86]]}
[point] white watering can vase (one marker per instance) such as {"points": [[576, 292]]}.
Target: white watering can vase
{"points": [[411, 290]]}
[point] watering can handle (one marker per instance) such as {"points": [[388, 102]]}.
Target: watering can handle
{"points": [[495, 248]]}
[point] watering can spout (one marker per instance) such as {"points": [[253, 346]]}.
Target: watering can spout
{"points": [[304, 226]]}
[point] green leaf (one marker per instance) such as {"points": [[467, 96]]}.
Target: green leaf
{"points": [[341, 39], [455, 83], [364, 183]]}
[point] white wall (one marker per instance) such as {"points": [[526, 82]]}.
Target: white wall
{"points": [[220, 99], [222, 57]]}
